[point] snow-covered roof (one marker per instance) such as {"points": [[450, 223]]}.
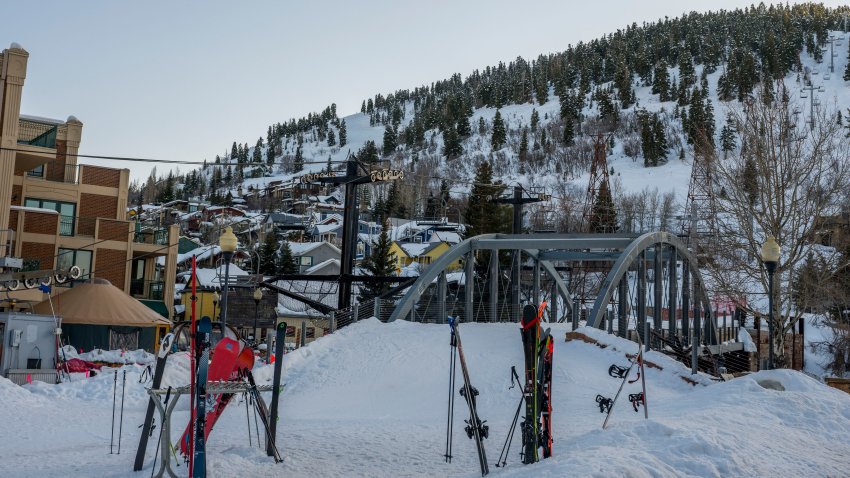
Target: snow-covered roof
{"points": [[416, 249], [445, 236], [322, 265], [214, 277], [301, 248], [42, 119]]}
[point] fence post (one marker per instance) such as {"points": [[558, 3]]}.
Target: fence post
{"points": [[576, 313], [468, 288], [376, 309], [441, 297], [303, 333], [355, 310], [802, 341], [757, 323], [332, 322], [609, 315]]}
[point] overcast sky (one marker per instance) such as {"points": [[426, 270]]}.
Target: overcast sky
{"points": [[183, 79]]}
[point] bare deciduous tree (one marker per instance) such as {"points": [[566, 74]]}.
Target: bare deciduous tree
{"points": [[787, 173]]}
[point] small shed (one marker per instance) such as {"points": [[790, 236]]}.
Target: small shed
{"points": [[99, 315], [28, 347]]}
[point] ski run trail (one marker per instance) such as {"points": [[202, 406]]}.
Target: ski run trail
{"points": [[370, 400]]}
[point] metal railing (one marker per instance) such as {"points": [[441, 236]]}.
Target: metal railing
{"points": [[147, 289], [56, 172], [35, 133], [153, 235]]}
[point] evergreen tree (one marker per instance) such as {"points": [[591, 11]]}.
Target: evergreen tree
{"points": [[298, 162], [464, 130], [343, 134], [482, 214], [482, 127], [368, 153], [390, 142], [268, 254], [288, 264], [569, 131], [257, 155], [444, 195], [727, 136], [331, 137], [452, 147], [380, 263], [523, 145], [234, 151], [661, 81], [499, 133], [431, 206], [535, 119]]}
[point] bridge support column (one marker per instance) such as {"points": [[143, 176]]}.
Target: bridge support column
{"points": [[658, 294], [641, 296], [535, 289], [695, 344], [622, 307], [469, 288], [576, 312], [553, 307], [441, 297], [494, 285], [672, 284]]}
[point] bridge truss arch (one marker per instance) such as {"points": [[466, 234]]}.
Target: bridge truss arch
{"points": [[647, 284]]}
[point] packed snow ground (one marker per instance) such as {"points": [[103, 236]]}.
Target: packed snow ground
{"points": [[370, 400]]}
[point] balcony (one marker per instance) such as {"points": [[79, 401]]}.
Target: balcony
{"points": [[147, 289], [56, 172], [151, 235], [33, 132]]}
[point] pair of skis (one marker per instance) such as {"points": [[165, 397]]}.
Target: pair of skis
{"points": [[606, 405], [475, 427], [537, 393]]}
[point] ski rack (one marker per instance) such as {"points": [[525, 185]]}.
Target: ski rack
{"points": [[165, 414]]}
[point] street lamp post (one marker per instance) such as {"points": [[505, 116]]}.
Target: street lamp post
{"points": [[258, 296], [227, 242], [770, 257]]}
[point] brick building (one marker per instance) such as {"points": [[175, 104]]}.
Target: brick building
{"points": [[56, 213]]}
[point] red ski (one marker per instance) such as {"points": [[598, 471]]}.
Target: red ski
{"points": [[222, 366], [244, 361]]}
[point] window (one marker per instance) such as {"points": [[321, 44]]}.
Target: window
{"points": [[75, 257], [311, 332], [290, 331], [307, 261], [36, 172], [67, 212]]}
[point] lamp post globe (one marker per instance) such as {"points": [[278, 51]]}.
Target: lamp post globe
{"points": [[216, 299], [770, 252], [227, 242]]}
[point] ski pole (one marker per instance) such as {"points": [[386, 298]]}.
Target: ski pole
{"points": [[121, 420], [506, 448], [248, 419], [159, 440], [112, 431], [452, 378]]}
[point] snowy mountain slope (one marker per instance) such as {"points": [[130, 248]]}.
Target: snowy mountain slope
{"points": [[370, 400], [630, 176]]}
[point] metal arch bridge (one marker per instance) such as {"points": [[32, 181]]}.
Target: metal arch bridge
{"points": [[635, 276]]}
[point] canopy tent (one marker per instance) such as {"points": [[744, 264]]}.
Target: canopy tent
{"points": [[99, 315]]}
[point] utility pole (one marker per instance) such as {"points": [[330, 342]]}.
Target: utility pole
{"points": [[350, 221], [517, 201]]}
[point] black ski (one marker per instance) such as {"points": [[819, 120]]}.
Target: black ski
{"points": [[530, 344], [147, 426], [263, 411], [547, 347], [199, 461], [475, 427], [280, 337]]}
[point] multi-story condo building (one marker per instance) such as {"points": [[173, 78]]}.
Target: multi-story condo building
{"points": [[56, 213]]}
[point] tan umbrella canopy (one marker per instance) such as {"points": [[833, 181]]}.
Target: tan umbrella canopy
{"points": [[100, 303]]}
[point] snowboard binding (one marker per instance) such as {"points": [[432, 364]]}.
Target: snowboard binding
{"points": [[604, 404], [617, 371], [637, 400]]}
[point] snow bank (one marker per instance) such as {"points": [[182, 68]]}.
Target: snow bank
{"points": [[370, 400]]}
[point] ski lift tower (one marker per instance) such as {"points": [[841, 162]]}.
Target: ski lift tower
{"points": [[698, 223], [808, 91]]}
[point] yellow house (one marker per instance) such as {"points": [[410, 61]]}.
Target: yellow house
{"points": [[423, 253], [207, 303]]}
